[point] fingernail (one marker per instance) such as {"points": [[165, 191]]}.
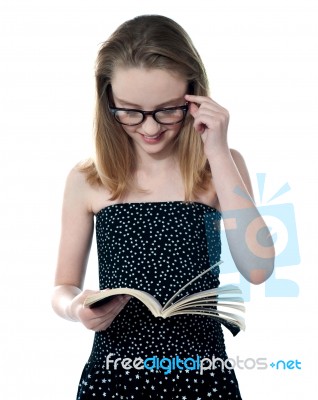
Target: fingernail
{"points": [[125, 298]]}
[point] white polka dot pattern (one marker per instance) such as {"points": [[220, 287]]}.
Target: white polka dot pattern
{"points": [[157, 247]]}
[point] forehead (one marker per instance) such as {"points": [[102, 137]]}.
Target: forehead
{"points": [[147, 88]]}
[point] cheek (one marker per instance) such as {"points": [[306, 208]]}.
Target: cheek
{"points": [[176, 129], [129, 130]]}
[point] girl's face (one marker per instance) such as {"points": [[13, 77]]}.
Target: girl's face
{"points": [[149, 90]]}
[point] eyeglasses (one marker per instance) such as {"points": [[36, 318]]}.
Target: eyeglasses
{"points": [[164, 116]]}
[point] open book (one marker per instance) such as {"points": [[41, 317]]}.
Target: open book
{"points": [[215, 302]]}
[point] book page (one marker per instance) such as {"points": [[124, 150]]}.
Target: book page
{"points": [[216, 314], [153, 304], [189, 283], [213, 303]]}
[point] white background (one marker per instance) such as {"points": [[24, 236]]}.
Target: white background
{"points": [[261, 58]]}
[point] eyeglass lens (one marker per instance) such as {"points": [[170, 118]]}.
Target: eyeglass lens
{"points": [[132, 117]]}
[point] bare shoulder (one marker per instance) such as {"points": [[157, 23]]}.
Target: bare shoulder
{"points": [[77, 189], [82, 192], [76, 177], [242, 168]]}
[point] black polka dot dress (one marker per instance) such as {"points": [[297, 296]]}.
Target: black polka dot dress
{"points": [[158, 247]]}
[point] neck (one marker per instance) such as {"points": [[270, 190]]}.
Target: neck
{"points": [[152, 164], [158, 181]]}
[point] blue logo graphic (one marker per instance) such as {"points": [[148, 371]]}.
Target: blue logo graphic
{"points": [[280, 219], [289, 364]]}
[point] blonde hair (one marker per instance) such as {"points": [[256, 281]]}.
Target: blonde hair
{"points": [[148, 41]]}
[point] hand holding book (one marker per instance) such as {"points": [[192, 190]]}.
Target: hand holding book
{"points": [[215, 302]]}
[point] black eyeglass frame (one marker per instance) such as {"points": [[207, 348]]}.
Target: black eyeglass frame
{"points": [[153, 113]]}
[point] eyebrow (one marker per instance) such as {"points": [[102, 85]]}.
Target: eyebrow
{"points": [[157, 106]]}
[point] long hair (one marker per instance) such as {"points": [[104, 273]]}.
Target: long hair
{"points": [[152, 42]]}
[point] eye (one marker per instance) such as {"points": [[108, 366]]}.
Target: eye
{"points": [[131, 113], [171, 111], [128, 117], [171, 115]]}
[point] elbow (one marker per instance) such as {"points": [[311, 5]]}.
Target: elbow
{"points": [[258, 277], [55, 301], [262, 263], [260, 274]]}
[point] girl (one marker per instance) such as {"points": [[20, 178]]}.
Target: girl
{"points": [[162, 164]]}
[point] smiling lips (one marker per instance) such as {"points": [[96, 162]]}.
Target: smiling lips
{"points": [[152, 139]]}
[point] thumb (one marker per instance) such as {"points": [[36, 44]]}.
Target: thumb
{"points": [[193, 109], [198, 126]]}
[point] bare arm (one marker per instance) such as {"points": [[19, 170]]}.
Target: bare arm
{"points": [[75, 244], [248, 236]]}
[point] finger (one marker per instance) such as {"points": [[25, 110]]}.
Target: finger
{"points": [[204, 100], [195, 99], [199, 99], [118, 302], [193, 109], [202, 121], [199, 127], [113, 308], [101, 308], [103, 322]]}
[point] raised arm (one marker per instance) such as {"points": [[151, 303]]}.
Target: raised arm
{"points": [[74, 249], [248, 236]]}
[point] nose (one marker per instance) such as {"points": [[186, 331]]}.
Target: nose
{"points": [[150, 127]]}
